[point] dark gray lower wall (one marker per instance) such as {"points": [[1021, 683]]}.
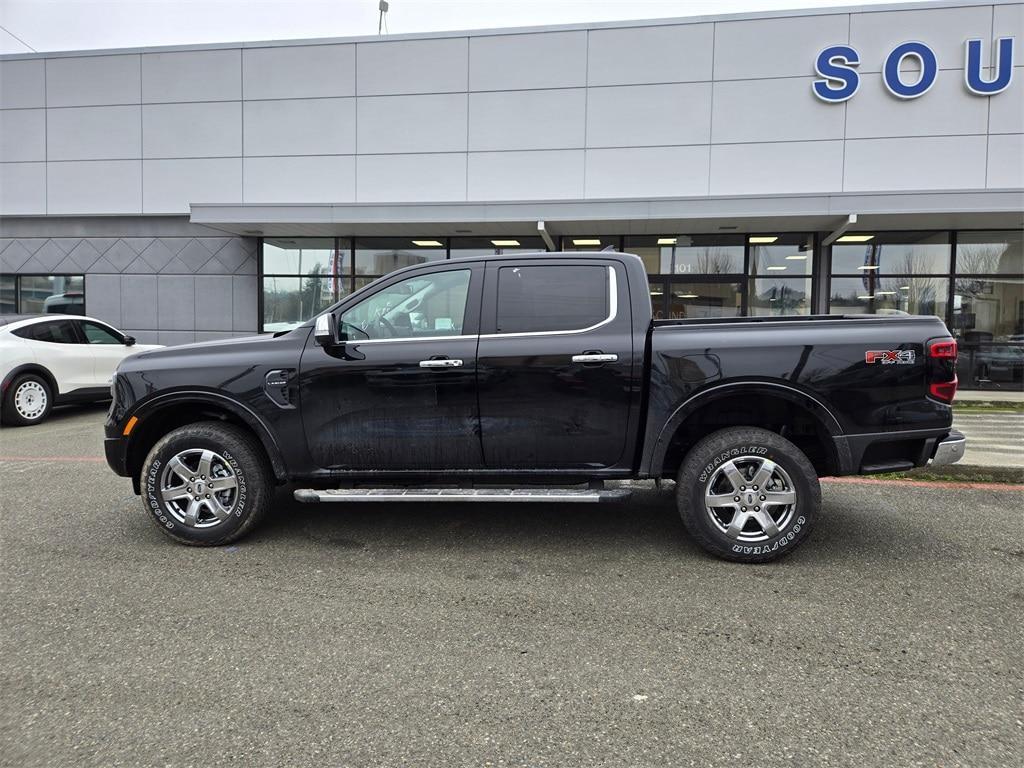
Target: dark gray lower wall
{"points": [[161, 279]]}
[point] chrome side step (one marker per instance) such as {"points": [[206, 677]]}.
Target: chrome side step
{"points": [[560, 495]]}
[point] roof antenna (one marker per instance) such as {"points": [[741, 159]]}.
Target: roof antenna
{"points": [[383, 7], [608, 248]]}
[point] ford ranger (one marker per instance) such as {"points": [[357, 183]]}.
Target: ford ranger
{"points": [[534, 378]]}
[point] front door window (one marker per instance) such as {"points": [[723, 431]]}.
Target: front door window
{"points": [[422, 306]]}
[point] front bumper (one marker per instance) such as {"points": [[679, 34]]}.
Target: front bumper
{"points": [[949, 450], [114, 449]]}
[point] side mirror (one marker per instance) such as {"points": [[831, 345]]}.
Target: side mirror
{"points": [[129, 341], [326, 331]]}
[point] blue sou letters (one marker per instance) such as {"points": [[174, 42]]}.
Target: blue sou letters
{"points": [[839, 80]]}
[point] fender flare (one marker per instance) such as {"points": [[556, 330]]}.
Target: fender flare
{"points": [[245, 414], [655, 457], [36, 368]]}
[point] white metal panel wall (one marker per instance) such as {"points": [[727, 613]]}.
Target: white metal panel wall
{"points": [[663, 110]]}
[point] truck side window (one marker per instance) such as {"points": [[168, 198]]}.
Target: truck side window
{"points": [[551, 298], [425, 305]]}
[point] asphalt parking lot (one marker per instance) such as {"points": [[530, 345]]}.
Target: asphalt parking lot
{"points": [[497, 635]]}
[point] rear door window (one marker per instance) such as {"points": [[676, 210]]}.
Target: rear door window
{"points": [[551, 298], [52, 331]]}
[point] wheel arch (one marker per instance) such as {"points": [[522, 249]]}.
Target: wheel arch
{"points": [[708, 411], [36, 368], [167, 412]]}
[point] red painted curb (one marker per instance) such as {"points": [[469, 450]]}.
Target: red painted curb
{"points": [[927, 483]]}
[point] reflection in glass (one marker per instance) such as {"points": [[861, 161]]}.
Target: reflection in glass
{"points": [[990, 253], [301, 256], [57, 294], [381, 255], [693, 300], [288, 301], [8, 305], [785, 255], [988, 321], [890, 253], [781, 296], [882, 295], [497, 245], [689, 254]]}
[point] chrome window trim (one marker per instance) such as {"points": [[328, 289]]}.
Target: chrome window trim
{"points": [[613, 308], [410, 338]]}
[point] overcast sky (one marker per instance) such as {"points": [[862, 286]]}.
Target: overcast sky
{"points": [[61, 25]]}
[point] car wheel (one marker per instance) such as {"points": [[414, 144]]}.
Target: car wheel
{"points": [[748, 495], [206, 484], [27, 401]]}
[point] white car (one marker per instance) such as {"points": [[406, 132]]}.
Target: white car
{"points": [[47, 360]]}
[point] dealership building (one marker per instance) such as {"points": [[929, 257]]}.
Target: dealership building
{"points": [[832, 161]]}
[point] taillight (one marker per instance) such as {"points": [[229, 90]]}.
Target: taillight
{"points": [[943, 390], [942, 365]]}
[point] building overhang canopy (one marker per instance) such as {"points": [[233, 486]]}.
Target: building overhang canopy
{"points": [[953, 209]]}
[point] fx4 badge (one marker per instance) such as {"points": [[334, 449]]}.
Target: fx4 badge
{"points": [[889, 356]]}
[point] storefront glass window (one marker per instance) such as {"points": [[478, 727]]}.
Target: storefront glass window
{"points": [[497, 245], [988, 321], [380, 255], [57, 294], [687, 301], [891, 253], [591, 242], [990, 253], [779, 296], [783, 255], [302, 276], [880, 295], [8, 295], [689, 254]]}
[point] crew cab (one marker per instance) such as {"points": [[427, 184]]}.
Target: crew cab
{"points": [[536, 378]]}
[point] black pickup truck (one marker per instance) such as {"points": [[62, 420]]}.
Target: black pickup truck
{"points": [[533, 378]]}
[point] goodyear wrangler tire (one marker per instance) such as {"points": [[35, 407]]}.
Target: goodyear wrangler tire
{"points": [[206, 484], [748, 495]]}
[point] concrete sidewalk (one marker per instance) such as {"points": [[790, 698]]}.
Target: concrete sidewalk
{"points": [[994, 439]]}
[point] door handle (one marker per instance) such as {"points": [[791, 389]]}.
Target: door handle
{"points": [[442, 363], [595, 357]]}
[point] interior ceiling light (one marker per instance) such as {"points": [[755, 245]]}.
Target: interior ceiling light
{"points": [[868, 266], [855, 238], [687, 295], [657, 293], [865, 297], [777, 269], [904, 287], [764, 238], [666, 241], [428, 243], [586, 242], [504, 243], [797, 257], [885, 293]]}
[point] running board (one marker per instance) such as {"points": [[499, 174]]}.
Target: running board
{"points": [[561, 495]]}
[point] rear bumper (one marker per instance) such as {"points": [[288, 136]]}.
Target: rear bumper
{"points": [[949, 450], [873, 453]]}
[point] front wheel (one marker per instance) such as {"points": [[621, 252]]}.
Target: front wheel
{"points": [[748, 495], [206, 484]]}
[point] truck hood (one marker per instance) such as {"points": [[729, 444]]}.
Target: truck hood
{"points": [[205, 353]]}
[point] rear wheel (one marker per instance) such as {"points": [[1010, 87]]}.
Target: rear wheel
{"points": [[747, 494], [206, 484], [27, 401]]}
